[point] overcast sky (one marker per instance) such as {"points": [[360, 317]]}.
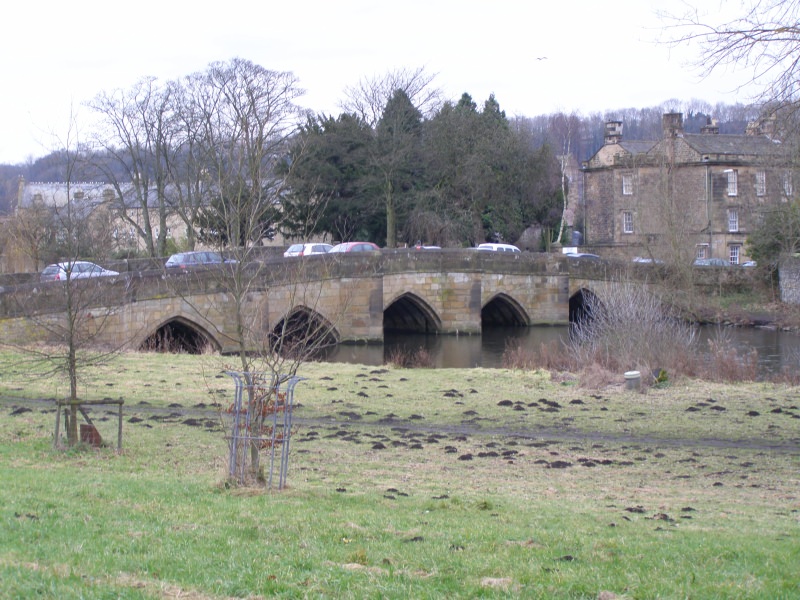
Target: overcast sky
{"points": [[600, 56]]}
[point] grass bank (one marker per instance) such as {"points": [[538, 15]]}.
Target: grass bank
{"points": [[405, 484]]}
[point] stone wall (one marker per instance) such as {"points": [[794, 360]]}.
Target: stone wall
{"points": [[789, 276]]}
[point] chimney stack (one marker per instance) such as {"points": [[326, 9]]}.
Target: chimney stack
{"points": [[613, 133], [672, 125], [711, 127]]}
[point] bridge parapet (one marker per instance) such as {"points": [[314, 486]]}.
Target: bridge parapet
{"points": [[441, 291]]}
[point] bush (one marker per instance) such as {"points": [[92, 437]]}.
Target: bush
{"points": [[549, 356], [725, 363], [629, 328], [409, 359]]}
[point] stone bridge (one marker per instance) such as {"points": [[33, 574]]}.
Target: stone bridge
{"points": [[344, 298]]}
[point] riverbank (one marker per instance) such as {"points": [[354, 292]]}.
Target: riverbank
{"points": [[775, 315]]}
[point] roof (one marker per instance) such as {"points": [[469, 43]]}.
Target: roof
{"points": [[636, 146], [751, 145]]}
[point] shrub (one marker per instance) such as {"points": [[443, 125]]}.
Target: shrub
{"points": [[549, 356], [409, 359], [627, 327], [726, 363]]}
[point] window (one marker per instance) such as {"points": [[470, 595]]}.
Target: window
{"points": [[761, 183], [733, 182], [702, 251], [734, 253], [78, 195], [627, 185], [787, 184], [627, 221], [733, 220]]}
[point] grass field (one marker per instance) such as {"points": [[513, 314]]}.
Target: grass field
{"points": [[404, 484]]}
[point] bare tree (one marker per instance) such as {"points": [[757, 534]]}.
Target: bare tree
{"points": [[72, 332], [566, 127], [239, 117], [369, 97], [136, 139], [31, 230], [189, 166], [764, 38]]}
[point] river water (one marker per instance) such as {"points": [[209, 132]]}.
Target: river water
{"points": [[776, 349]]}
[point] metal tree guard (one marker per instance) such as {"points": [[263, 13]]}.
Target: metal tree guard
{"points": [[255, 404]]}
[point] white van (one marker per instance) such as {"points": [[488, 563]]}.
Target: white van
{"points": [[499, 247]]}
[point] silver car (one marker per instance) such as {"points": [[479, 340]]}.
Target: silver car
{"points": [[307, 249], [79, 269]]}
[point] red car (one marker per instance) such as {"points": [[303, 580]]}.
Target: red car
{"points": [[355, 247]]}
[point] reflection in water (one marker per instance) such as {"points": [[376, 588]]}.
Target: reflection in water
{"points": [[776, 349]]}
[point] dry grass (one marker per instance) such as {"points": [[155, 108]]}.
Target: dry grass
{"points": [[418, 358], [548, 356], [437, 483]]}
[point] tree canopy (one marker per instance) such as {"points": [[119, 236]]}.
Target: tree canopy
{"points": [[460, 177]]}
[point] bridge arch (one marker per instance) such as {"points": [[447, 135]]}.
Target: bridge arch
{"points": [[410, 313], [179, 334], [581, 304], [302, 329], [504, 311]]}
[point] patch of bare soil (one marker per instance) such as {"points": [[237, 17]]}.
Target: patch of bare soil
{"points": [[415, 434]]}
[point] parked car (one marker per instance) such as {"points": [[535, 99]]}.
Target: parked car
{"points": [[79, 269], [355, 247], [498, 247], [307, 249], [199, 258], [582, 255], [711, 262], [649, 261]]}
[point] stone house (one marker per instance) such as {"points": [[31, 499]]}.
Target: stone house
{"points": [[684, 196], [97, 206]]}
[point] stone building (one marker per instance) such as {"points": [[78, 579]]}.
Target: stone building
{"points": [[95, 206], [684, 196], [98, 209]]}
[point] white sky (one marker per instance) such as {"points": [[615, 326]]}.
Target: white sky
{"points": [[56, 55]]}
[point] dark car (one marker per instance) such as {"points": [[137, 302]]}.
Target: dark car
{"points": [[199, 258], [79, 269], [354, 247]]}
